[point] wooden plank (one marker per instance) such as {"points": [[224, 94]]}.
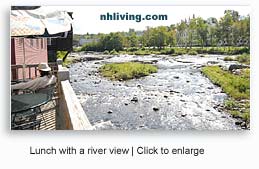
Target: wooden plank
{"points": [[78, 118]]}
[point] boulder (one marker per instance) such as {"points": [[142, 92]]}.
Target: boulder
{"points": [[237, 66], [155, 108], [134, 99]]}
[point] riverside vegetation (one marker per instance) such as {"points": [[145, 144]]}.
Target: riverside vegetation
{"points": [[126, 71], [236, 86]]}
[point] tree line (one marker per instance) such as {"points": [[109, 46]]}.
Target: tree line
{"points": [[229, 30]]}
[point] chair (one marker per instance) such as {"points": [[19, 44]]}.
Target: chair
{"points": [[49, 90], [25, 120]]}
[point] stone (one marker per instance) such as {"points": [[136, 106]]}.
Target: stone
{"points": [[176, 77], [110, 112], [183, 114], [187, 81], [97, 82], [172, 91], [141, 116], [238, 123], [75, 80], [155, 108], [126, 104], [210, 87], [243, 124], [182, 100], [237, 66], [134, 99], [165, 96]]}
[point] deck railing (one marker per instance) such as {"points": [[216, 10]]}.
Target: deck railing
{"points": [[69, 113], [32, 70]]}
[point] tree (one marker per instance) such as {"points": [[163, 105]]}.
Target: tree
{"points": [[202, 31]]}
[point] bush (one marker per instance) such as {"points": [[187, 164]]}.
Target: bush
{"points": [[244, 58], [106, 52], [114, 52], [132, 49], [192, 52], [229, 58], [167, 51]]}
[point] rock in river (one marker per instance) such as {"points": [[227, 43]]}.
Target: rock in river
{"points": [[134, 99], [155, 108], [110, 112]]}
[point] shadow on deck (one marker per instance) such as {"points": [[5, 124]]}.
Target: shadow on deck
{"points": [[48, 118]]}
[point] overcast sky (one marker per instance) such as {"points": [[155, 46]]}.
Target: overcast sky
{"points": [[87, 18]]}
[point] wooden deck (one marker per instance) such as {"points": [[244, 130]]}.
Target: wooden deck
{"points": [[48, 118]]}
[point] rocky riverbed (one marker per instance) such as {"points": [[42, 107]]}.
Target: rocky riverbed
{"points": [[177, 97]]}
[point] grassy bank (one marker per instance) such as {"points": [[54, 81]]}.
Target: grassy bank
{"points": [[174, 51], [125, 71], [236, 86], [244, 58]]}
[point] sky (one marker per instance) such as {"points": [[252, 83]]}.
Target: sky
{"points": [[87, 18]]}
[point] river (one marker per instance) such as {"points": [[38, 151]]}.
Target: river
{"points": [[177, 97]]}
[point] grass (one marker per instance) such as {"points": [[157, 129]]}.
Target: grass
{"points": [[238, 109], [236, 86], [174, 51], [244, 58], [61, 55], [126, 71]]}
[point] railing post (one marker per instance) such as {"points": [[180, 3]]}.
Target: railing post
{"points": [[62, 74], [69, 112]]}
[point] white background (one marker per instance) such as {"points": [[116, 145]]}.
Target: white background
{"points": [[223, 149]]}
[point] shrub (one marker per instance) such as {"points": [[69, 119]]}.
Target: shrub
{"points": [[244, 58], [192, 52], [114, 52], [229, 58], [106, 52]]}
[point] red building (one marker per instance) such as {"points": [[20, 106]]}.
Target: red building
{"points": [[37, 33], [27, 51]]}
